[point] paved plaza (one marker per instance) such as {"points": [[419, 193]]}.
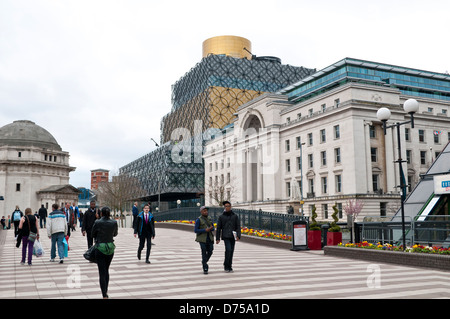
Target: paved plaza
{"points": [[175, 272]]}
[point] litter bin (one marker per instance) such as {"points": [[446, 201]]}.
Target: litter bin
{"points": [[324, 234]]}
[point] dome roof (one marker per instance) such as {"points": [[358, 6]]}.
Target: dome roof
{"points": [[27, 133]]}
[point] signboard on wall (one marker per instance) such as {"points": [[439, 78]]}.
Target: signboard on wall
{"points": [[442, 184]]}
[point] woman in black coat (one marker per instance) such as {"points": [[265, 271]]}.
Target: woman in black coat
{"points": [[103, 231]]}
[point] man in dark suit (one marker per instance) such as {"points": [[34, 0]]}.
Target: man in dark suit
{"points": [[145, 229], [89, 218]]}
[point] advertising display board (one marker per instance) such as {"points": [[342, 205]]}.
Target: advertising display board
{"points": [[300, 235]]}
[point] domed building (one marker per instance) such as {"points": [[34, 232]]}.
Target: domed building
{"points": [[34, 170]]}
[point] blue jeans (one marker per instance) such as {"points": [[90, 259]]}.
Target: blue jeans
{"points": [[57, 239]]}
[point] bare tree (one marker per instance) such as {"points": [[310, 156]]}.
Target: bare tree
{"points": [[116, 193], [221, 190]]}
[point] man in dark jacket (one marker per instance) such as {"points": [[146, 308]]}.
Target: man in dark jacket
{"points": [[145, 229], [43, 216], [228, 229], [89, 218]]}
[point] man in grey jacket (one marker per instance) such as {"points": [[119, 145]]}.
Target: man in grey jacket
{"points": [[228, 229], [56, 231]]}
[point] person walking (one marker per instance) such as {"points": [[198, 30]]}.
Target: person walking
{"points": [[16, 216], [204, 228], [56, 231], [43, 216], [135, 212], [103, 231], [89, 218], [70, 218], [145, 229], [27, 224], [228, 229]]}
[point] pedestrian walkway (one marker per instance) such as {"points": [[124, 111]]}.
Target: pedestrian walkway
{"points": [[175, 272]]}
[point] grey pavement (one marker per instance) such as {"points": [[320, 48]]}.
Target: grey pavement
{"points": [[175, 272]]}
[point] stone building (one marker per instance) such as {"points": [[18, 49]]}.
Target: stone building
{"points": [[319, 142], [34, 170]]}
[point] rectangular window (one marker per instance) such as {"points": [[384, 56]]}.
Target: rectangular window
{"points": [[338, 179], [423, 157], [288, 165], [407, 137], [323, 136], [421, 136], [310, 161], [375, 182], [299, 142], [287, 144], [373, 154], [288, 189], [436, 137], [408, 156], [323, 157], [372, 132], [324, 185], [310, 139], [325, 210], [17, 187], [311, 185], [337, 155], [337, 132], [299, 163]]}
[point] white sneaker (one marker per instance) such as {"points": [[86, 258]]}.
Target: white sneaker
{"points": [[52, 260]]}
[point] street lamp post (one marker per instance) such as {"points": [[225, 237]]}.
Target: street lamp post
{"points": [[159, 180], [410, 106], [301, 180]]}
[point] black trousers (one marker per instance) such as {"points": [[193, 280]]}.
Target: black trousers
{"points": [[90, 240], [103, 263], [229, 251], [142, 240], [207, 250]]}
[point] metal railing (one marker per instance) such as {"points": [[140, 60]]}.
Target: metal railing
{"points": [[435, 231], [269, 222]]}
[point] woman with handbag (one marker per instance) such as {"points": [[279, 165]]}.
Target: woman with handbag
{"points": [[103, 231], [29, 230]]}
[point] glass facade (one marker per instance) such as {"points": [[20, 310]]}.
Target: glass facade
{"points": [[409, 81]]}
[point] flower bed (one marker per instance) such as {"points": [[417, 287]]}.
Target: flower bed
{"points": [[389, 247], [263, 234], [416, 256], [244, 231]]}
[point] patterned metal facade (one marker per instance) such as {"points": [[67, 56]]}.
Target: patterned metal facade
{"points": [[213, 90]]}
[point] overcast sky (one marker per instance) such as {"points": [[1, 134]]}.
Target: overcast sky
{"points": [[97, 74]]}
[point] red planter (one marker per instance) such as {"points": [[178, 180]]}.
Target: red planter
{"points": [[334, 238], [314, 239]]}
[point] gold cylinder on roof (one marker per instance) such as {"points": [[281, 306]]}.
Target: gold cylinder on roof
{"points": [[228, 45]]}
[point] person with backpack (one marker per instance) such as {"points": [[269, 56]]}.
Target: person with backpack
{"points": [[16, 216]]}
